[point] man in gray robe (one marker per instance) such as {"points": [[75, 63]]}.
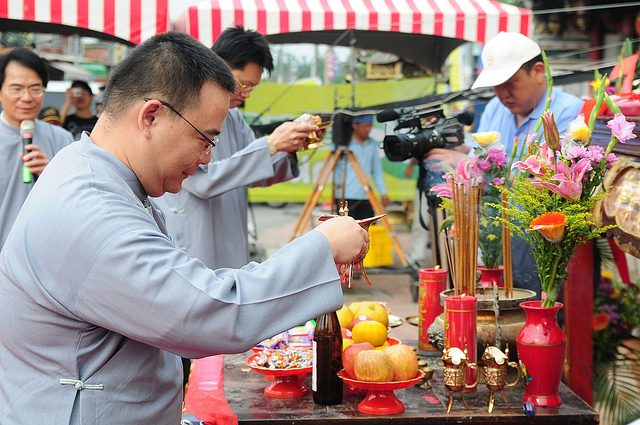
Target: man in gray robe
{"points": [[208, 217], [23, 79], [97, 304]]}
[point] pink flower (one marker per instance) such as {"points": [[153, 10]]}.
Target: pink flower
{"points": [[569, 179], [484, 165], [442, 190], [537, 164], [498, 157], [620, 128]]}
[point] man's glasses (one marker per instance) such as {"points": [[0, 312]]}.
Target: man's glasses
{"points": [[246, 88], [211, 142], [19, 91]]}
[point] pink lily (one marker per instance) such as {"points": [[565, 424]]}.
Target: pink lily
{"points": [[443, 190], [569, 179]]}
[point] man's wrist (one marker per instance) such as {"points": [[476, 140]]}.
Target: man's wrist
{"points": [[272, 148]]}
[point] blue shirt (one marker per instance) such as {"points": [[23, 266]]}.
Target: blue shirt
{"points": [[367, 155], [496, 117]]}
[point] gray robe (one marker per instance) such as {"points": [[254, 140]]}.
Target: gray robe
{"points": [[97, 303], [13, 191], [208, 217]]}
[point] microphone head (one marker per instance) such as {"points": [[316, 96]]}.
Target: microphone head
{"points": [[27, 127], [387, 115]]}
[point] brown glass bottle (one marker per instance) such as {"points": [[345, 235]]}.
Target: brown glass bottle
{"points": [[327, 360]]}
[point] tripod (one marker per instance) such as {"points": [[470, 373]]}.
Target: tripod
{"points": [[327, 169]]}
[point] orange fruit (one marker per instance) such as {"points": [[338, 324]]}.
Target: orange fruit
{"points": [[369, 331]]}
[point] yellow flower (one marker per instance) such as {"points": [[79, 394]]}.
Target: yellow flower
{"points": [[596, 83], [550, 225], [487, 138], [578, 130]]}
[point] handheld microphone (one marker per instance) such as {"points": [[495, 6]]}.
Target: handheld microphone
{"points": [[27, 128]]}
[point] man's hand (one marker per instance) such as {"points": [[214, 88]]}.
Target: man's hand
{"points": [[385, 200], [289, 137], [35, 159], [347, 238]]}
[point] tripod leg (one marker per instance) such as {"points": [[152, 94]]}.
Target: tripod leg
{"points": [[312, 200], [377, 208]]}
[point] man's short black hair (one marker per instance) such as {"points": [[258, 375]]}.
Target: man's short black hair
{"points": [[529, 64], [26, 58], [171, 66], [238, 47]]}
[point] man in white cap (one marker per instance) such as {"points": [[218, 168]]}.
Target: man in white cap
{"points": [[513, 66]]}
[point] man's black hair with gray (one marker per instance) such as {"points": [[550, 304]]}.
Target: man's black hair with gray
{"points": [[172, 67], [26, 58], [238, 47]]}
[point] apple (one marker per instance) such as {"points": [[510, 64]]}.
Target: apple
{"points": [[346, 333], [345, 316], [405, 362], [369, 331], [375, 311], [354, 306], [373, 366], [349, 356], [358, 319], [346, 342]]}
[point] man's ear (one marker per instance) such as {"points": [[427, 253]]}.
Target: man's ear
{"points": [[538, 71], [147, 116]]}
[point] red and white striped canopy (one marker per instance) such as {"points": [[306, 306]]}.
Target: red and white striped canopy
{"points": [[470, 20], [130, 21]]}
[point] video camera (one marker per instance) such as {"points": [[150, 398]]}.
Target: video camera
{"points": [[443, 133]]}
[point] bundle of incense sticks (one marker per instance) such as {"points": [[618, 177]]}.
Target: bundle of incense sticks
{"points": [[506, 251], [466, 200]]}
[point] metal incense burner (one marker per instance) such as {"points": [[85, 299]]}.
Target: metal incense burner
{"points": [[455, 373], [495, 372]]}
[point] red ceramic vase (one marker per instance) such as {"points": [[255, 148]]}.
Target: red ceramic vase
{"points": [[542, 349], [489, 276]]}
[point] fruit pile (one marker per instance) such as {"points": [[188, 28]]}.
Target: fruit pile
{"points": [[367, 354]]}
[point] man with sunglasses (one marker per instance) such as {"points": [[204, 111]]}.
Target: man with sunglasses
{"points": [[208, 217], [97, 303], [23, 79]]}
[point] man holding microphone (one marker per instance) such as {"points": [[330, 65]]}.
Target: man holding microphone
{"points": [[25, 142]]}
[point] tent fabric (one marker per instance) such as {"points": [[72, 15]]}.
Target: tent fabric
{"points": [[325, 21], [129, 21]]}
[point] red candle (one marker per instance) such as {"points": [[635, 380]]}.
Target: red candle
{"points": [[432, 283], [460, 328]]}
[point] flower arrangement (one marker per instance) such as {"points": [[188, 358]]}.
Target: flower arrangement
{"points": [[492, 166], [616, 351], [615, 316], [489, 167], [560, 181]]}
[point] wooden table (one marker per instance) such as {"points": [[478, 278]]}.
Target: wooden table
{"points": [[243, 389]]}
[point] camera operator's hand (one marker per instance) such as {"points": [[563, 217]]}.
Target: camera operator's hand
{"points": [[289, 137], [452, 157]]}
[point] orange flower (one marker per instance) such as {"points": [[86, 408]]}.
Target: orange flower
{"points": [[550, 225], [601, 321]]}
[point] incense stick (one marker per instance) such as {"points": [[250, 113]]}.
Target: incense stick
{"points": [[506, 251]]}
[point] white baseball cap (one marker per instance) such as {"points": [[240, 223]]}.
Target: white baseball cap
{"points": [[503, 56]]}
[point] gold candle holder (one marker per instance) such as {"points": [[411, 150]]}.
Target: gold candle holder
{"points": [[495, 372], [455, 373]]}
